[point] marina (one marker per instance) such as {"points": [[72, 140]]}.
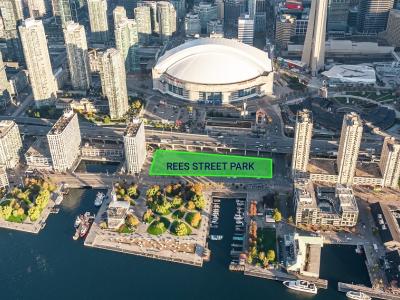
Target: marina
{"points": [[41, 262]]}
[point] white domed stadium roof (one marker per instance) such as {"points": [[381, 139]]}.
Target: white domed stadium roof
{"points": [[214, 61]]}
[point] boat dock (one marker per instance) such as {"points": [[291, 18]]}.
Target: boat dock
{"points": [[281, 276], [374, 293]]}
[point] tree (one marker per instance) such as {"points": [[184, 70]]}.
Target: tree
{"points": [[152, 191], [34, 213], [148, 216], [132, 221], [195, 219], [253, 252], [132, 190], [127, 198], [270, 255], [277, 215], [197, 188], [106, 120], [199, 201], [163, 207], [181, 229], [168, 189], [190, 205], [177, 201], [6, 211], [261, 255], [136, 104]]}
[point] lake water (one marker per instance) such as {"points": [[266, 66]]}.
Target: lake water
{"points": [[53, 266]]}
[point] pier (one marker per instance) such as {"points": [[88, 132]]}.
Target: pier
{"points": [[281, 276], [375, 293]]}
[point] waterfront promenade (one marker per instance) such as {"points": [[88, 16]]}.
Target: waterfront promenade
{"points": [[29, 226], [375, 293], [186, 249]]}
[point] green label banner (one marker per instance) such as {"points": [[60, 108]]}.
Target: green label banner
{"points": [[181, 163]]}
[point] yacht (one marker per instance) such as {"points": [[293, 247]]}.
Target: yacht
{"points": [[78, 221], [301, 286], [357, 295], [99, 199]]}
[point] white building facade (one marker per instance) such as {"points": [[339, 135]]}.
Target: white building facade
{"points": [[135, 146], [10, 144], [37, 58], [77, 54], [64, 140]]}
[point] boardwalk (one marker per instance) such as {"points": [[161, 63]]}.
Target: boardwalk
{"points": [[379, 294]]}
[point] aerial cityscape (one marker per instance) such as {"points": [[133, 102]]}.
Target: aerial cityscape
{"points": [[248, 147]]}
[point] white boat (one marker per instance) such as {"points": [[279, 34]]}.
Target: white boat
{"points": [[99, 199], [78, 221], [216, 237], [301, 286], [357, 295]]}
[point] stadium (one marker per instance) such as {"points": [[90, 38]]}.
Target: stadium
{"points": [[214, 70]]}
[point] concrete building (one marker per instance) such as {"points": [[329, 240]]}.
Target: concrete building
{"points": [[285, 28], [3, 178], [77, 54], [180, 8], [333, 206], [387, 220], [390, 162], [98, 20], [369, 51], [246, 29], [167, 19], [113, 82], [42, 79], [64, 140], [207, 12], [4, 85], [349, 146], [11, 12], [152, 5], [392, 33], [192, 24], [314, 45], [214, 70], [373, 15], [354, 74], [127, 41], [116, 212], [258, 11], [135, 146], [338, 14], [37, 8], [63, 11], [143, 21], [119, 13], [232, 11], [220, 9], [38, 155], [304, 255], [10, 144], [215, 27], [302, 142]]}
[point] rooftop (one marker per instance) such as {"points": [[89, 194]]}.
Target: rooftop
{"points": [[62, 122], [351, 73], [39, 148], [214, 61], [5, 126], [132, 128]]}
